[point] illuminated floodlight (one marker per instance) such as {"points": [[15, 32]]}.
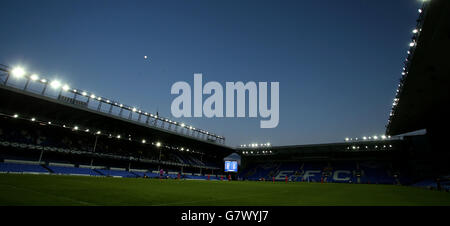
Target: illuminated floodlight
{"points": [[34, 77], [87, 130], [75, 128], [33, 119], [55, 84], [158, 144], [107, 101], [144, 141], [65, 87], [118, 136], [182, 125], [49, 123], [84, 93], [15, 115], [18, 72], [375, 137], [44, 80], [182, 149], [420, 10], [383, 137], [134, 109], [364, 138], [93, 96], [415, 31], [98, 132], [411, 44], [121, 105], [99, 98], [347, 139]]}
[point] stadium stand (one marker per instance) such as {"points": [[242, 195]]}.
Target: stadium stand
{"points": [[331, 172], [21, 168]]}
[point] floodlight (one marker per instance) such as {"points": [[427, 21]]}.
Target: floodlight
{"points": [[18, 72], [55, 84], [33, 119], [34, 77], [158, 144], [75, 128], [144, 141], [65, 87], [15, 115]]}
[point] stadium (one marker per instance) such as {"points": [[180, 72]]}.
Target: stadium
{"points": [[62, 145]]}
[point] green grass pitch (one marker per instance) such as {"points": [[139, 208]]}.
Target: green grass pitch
{"points": [[27, 190]]}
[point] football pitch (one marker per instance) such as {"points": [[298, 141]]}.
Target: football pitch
{"points": [[16, 189]]}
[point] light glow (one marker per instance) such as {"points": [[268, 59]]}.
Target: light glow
{"points": [[18, 72]]}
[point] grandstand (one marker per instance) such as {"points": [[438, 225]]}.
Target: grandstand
{"points": [[72, 135]]}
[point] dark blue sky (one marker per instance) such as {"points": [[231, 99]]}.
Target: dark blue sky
{"points": [[338, 62]]}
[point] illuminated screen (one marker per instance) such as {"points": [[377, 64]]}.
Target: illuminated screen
{"points": [[231, 166]]}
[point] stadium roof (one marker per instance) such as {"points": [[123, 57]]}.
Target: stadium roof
{"points": [[424, 90], [372, 145], [33, 104]]}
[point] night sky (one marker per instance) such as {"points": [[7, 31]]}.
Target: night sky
{"points": [[338, 62]]}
